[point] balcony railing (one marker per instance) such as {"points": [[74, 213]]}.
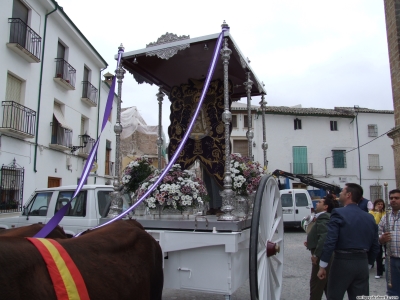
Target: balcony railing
{"points": [[89, 93], [301, 168], [19, 119], [23, 35], [375, 167], [61, 136], [109, 171], [85, 151], [65, 72]]}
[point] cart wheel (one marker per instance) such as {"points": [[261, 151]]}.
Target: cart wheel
{"points": [[266, 242]]}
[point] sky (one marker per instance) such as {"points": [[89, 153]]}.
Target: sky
{"points": [[309, 52]]}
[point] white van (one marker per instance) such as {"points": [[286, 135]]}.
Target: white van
{"points": [[296, 204]]}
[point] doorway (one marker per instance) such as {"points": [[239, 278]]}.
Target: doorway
{"points": [[53, 182]]}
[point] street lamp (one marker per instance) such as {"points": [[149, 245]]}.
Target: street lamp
{"points": [[85, 139]]}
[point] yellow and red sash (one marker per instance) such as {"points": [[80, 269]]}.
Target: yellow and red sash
{"points": [[67, 280]]}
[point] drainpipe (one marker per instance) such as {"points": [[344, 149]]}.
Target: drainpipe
{"points": [[326, 167], [40, 86], [98, 112], [358, 143]]}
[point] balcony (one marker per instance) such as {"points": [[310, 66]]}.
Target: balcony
{"points": [[89, 94], [301, 168], [61, 138], [85, 151], [375, 168], [65, 74], [24, 41], [18, 120]]}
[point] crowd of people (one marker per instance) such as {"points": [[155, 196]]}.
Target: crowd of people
{"points": [[345, 242]]}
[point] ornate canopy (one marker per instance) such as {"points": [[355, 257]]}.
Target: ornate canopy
{"points": [[172, 60]]}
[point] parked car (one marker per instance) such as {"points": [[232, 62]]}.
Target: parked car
{"points": [[89, 206], [296, 205]]}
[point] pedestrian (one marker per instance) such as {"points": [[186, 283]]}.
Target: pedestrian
{"points": [[315, 242], [378, 212], [353, 236], [365, 204], [392, 235]]}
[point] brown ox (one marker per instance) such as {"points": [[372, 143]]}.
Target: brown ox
{"points": [[31, 230], [118, 261]]}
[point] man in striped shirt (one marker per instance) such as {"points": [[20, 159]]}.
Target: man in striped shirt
{"points": [[392, 234]]}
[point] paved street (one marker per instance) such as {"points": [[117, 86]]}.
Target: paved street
{"points": [[297, 269]]}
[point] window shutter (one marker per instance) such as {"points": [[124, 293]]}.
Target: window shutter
{"points": [[241, 146], [13, 89]]}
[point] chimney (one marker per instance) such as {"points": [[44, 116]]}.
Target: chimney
{"points": [[108, 77]]}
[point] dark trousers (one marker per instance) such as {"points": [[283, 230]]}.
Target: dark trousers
{"points": [[318, 286], [379, 262], [349, 272], [395, 276]]}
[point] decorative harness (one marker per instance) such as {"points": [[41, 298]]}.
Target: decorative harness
{"points": [[67, 280]]}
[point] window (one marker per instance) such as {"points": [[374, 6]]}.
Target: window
{"points": [[297, 124], [86, 72], [60, 50], [339, 158], [39, 204], [13, 89], [18, 29], [234, 121], [333, 125], [372, 130], [241, 146], [287, 200], [78, 204], [108, 164], [104, 201], [11, 188], [246, 122], [61, 133], [376, 192], [373, 162], [301, 199]]}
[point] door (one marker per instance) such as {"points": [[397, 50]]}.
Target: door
{"points": [[53, 182], [302, 205], [60, 62], [300, 163], [287, 207], [18, 27]]}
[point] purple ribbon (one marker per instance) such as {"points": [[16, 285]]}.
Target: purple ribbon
{"points": [[56, 219], [210, 74]]}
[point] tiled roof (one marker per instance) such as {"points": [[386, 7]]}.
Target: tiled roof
{"points": [[309, 111], [365, 110]]}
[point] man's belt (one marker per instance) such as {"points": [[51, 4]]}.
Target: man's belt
{"points": [[350, 251]]}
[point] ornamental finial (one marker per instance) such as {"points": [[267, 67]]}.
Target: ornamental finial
{"points": [[224, 25]]}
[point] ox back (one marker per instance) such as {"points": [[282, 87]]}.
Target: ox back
{"points": [[31, 230], [118, 261]]}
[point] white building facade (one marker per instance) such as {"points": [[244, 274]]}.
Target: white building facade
{"points": [[323, 143], [53, 99]]}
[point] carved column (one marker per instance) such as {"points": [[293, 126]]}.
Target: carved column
{"points": [[249, 134], [120, 72], [116, 197], [264, 145], [160, 96], [227, 194]]}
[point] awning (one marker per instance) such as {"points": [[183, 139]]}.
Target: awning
{"points": [[60, 117]]}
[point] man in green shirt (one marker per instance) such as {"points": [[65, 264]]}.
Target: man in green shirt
{"points": [[315, 242]]}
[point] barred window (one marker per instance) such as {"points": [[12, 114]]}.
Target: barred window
{"points": [[376, 192], [372, 130]]}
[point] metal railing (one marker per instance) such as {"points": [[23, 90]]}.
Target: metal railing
{"points": [[23, 35], [18, 117], [109, 171], [65, 71], [301, 168], [88, 147], [61, 136], [375, 167], [89, 91]]}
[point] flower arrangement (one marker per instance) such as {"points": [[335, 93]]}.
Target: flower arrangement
{"points": [[136, 172], [246, 174], [177, 190]]}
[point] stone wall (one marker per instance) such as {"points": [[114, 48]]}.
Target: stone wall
{"points": [[392, 15]]}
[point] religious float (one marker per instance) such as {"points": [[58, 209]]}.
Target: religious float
{"points": [[209, 253]]}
